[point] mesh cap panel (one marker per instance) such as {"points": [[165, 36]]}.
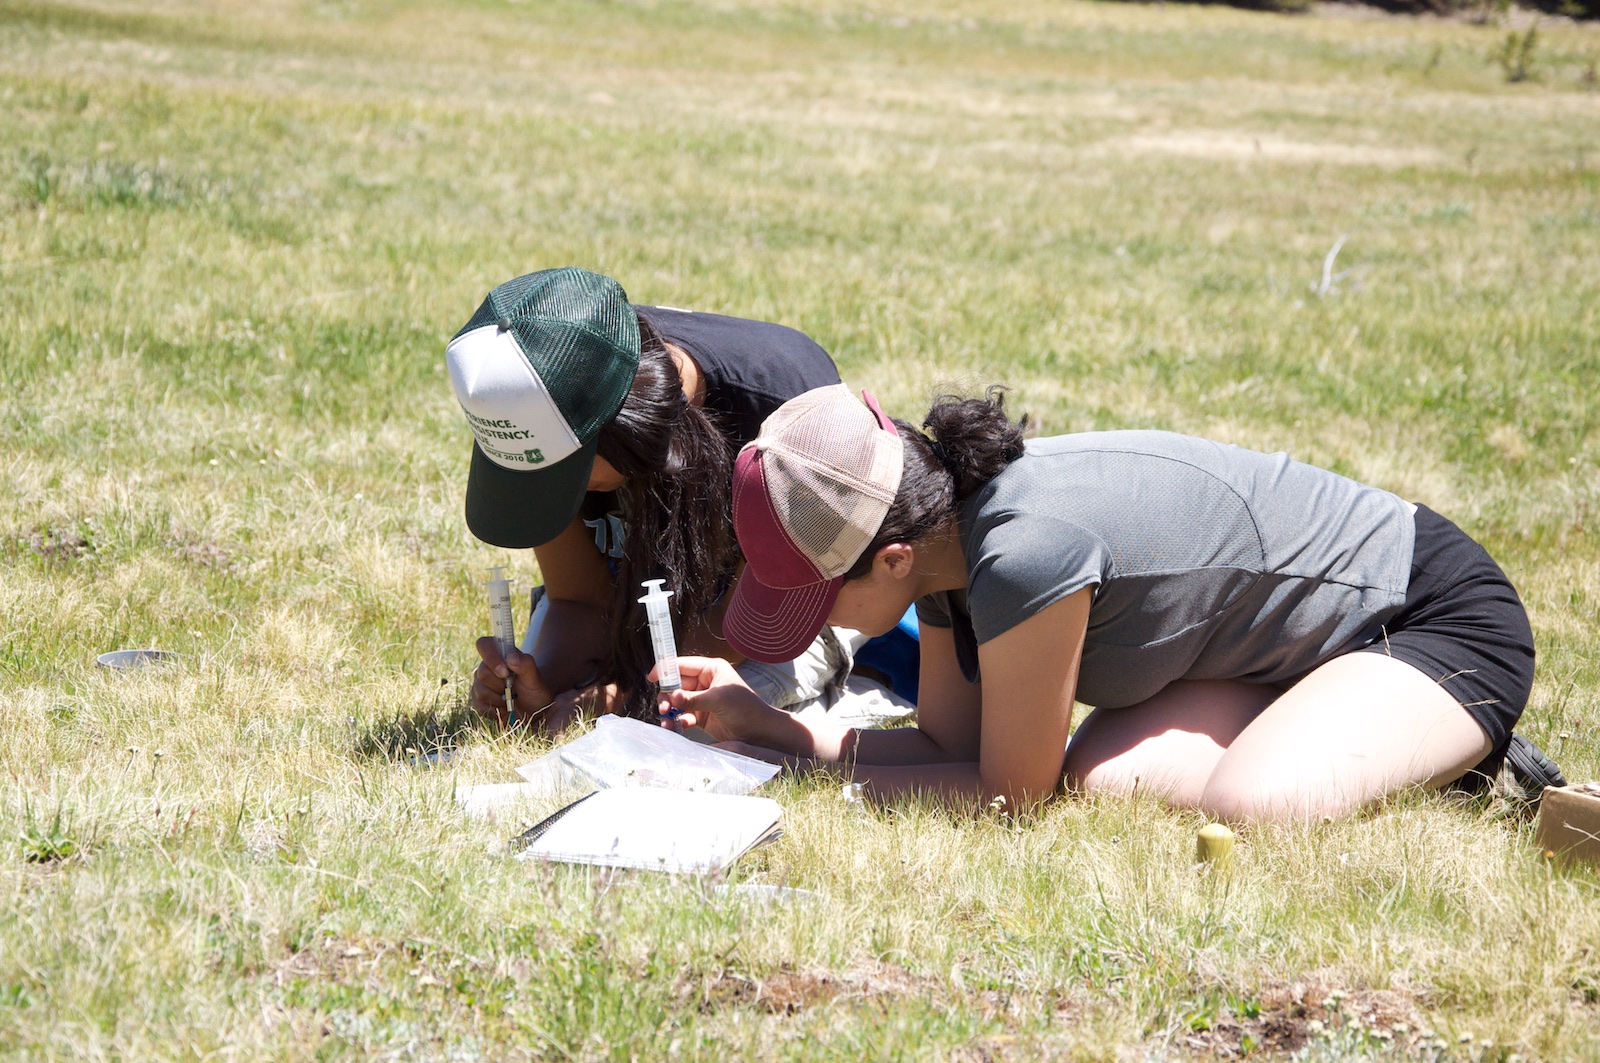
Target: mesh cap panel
{"points": [[831, 475]]}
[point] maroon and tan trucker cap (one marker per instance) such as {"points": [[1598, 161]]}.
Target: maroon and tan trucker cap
{"points": [[809, 494]]}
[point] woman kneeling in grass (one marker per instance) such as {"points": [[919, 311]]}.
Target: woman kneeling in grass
{"points": [[1260, 639]]}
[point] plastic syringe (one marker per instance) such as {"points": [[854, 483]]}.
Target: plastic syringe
{"points": [[661, 640], [502, 624]]}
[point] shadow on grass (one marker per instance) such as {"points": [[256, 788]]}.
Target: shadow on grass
{"points": [[438, 727]]}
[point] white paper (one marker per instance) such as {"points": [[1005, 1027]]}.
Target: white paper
{"points": [[657, 830]]}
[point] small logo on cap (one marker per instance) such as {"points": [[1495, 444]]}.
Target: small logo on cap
{"points": [[535, 456]]}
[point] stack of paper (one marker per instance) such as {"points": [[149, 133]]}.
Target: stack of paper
{"points": [[659, 801], [618, 753], [656, 830]]}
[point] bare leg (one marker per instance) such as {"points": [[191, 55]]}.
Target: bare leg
{"points": [[1168, 745], [1358, 728]]}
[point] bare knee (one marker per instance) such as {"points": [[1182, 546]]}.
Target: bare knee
{"points": [[1165, 746], [1172, 766], [1238, 793], [1241, 801], [1120, 778]]}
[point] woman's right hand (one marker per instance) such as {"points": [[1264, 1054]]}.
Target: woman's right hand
{"points": [[533, 695], [717, 700]]}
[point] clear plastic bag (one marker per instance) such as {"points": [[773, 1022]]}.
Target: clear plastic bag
{"points": [[620, 752]]}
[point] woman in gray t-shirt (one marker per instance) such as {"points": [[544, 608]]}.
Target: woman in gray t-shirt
{"points": [[1259, 638]]}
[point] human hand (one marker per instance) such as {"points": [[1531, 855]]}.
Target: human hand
{"points": [[533, 695], [716, 699], [571, 705]]}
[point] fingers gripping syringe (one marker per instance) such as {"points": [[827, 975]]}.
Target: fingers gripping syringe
{"points": [[503, 626], [655, 608]]}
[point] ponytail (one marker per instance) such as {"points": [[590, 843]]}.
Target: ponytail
{"points": [[972, 441]]}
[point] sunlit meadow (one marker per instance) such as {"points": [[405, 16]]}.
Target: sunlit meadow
{"points": [[234, 239]]}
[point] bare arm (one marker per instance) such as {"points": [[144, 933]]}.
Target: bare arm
{"points": [[574, 569], [947, 728], [570, 643], [579, 585], [948, 712], [1012, 746], [704, 639], [1029, 676]]}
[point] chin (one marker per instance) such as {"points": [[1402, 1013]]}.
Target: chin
{"points": [[870, 628]]}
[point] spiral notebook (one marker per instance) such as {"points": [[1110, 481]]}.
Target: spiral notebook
{"points": [[654, 830]]}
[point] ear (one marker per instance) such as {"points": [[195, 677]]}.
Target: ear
{"points": [[896, 560]]}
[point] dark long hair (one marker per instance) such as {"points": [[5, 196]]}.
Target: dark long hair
{"points": [[972, 441], [677, 508]]}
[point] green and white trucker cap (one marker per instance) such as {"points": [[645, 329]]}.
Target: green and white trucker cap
{"points": [[540, 368]]}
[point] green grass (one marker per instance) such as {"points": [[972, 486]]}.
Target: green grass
{"points": [[233, 241]]}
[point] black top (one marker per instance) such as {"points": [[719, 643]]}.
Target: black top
{"points": [[750, 368]]}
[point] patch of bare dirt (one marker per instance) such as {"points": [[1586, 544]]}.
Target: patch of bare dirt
{"points": [[788, 992], [1282, 1019], [331, 959], [203, 553], [59, 546], [1289, 1015]]}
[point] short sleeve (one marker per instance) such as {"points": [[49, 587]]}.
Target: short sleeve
{"points": [[750, 368], [934, 610], [1020, 564]]}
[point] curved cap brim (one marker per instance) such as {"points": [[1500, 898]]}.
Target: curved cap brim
{"points": [[774, 625], [519, 509]]}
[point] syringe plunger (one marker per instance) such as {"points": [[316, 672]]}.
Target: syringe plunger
{"points": [[661, 640]]}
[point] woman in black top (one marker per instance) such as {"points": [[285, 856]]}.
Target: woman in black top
{"points": [[656, 400]]}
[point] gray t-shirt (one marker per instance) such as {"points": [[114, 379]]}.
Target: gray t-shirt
{"points": [[1208, 561]]}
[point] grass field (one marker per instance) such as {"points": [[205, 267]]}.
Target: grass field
{"points": [[234, 239]]}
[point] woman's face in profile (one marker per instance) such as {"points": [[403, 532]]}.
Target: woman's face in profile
{"points": [[872, 604]]}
